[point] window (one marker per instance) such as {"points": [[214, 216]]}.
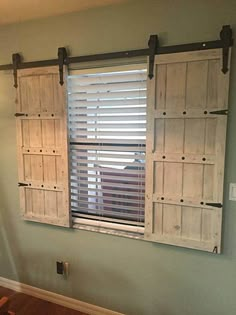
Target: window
{"points": [[107, 123], [146, 155]]}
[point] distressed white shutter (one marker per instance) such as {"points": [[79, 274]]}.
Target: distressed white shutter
{"points": [[186, 149], [42, 146]]}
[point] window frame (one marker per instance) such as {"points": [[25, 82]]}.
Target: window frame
{"points": [[112, 228]]}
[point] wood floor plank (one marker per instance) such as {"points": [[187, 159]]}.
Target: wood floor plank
{"points": [[24, 304]]}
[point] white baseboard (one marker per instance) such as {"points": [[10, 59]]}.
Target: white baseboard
{"points": [[62, 300]]}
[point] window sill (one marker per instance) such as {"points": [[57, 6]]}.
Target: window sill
{"points": [[109, 230]]}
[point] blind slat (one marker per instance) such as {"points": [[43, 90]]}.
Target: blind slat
{"points": [[107, 198], [109, 103], [105, 111], [119, 118], [106, 155], [108, 177], [117, 86], [118, 77], [102, 184], [111, 95]]}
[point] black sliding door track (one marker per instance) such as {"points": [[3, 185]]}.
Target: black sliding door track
{"points": [[126, 54]]}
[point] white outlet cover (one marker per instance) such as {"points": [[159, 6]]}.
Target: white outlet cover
{"points": [[232, 191]]}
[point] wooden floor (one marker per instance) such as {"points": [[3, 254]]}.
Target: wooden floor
{"points": [[23, 304]]}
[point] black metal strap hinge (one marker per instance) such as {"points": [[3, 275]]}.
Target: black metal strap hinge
{"points": [[19, 114], [226, 36], [153, 45], [214, 204], [16, 60], [215, 250], [219, 112], [62, 56], [22, 184]]}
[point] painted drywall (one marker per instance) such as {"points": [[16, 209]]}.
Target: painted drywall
{"points": [[130, 276]]}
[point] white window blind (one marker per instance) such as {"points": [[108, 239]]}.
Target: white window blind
{"points": [[107, 121]]}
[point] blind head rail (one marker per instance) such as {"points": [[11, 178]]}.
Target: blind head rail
{"points": [[225, 42]]}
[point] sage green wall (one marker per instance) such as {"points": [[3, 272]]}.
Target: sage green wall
{"points": [[130, 276]]}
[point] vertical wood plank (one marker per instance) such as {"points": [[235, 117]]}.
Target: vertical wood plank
{"points": [[191, 223], [28, 201], [158, 219], [194, 136], [210, 136], [158, 178], [176, 86], [48, 133], [208, 182], [174, 135], [171, 220], [37, 167], [46, 93], [35, 133], [38, 203], [50, 203], [49, 168], [159, 131], [160, 102], [27, 167], [213, 73], [58, 95], [196, 93], [25, 132], [193, 181], [173, 179]]}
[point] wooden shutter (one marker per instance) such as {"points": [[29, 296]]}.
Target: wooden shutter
{"points": [[185, 150], [42, 146]]}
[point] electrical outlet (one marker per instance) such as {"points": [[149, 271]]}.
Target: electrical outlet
{"points": [[232, 191], [63, 268], [60, 268]]}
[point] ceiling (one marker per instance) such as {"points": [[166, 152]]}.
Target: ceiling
{"points": [[13, 11]]}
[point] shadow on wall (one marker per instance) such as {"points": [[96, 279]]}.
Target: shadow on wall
{"points": [[8, 234], [8, 250]]}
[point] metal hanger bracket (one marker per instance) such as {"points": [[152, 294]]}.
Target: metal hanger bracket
{"points": [[16, 60], [153, 44], [226, 36], [62, 56]]}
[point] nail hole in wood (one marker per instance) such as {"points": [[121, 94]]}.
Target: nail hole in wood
{"points": [[163, 157], [164, 113], [184, 113], [183, 158], [204, 159], [205, 112], [181, 200], [162, 198]]}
